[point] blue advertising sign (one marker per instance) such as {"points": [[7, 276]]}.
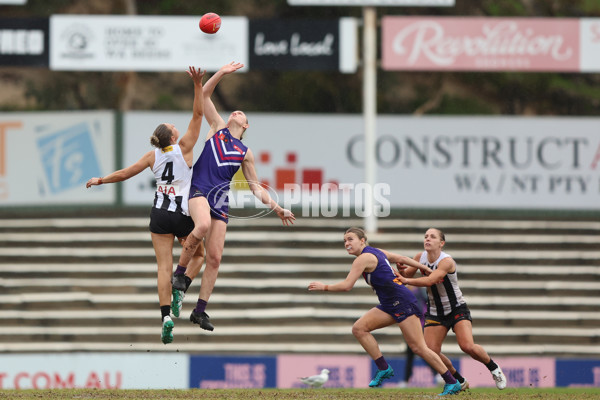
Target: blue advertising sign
{"points": [[224, 372], [578, 373]]}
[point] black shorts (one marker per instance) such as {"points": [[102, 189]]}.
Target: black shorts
{"points": [[461, 313], [167, 222]]}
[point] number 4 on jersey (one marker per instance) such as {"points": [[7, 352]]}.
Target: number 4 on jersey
{"points": [[167, 174]]}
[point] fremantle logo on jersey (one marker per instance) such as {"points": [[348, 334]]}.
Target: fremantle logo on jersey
{"points": [[222, 155]]}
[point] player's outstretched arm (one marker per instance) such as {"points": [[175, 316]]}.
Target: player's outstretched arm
{"points": [[358, 267], [188, 141], [406, 265], [286, 216], [146, 161], [210, 111]]}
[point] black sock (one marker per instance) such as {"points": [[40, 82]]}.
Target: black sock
{"points": [[491, 365], [165, 310], [458, 377], [188, 282]]}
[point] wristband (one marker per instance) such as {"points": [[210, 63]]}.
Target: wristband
{"points": [[326, 288], [99, 181]]}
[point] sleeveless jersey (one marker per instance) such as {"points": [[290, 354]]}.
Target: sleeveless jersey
{"points": [[382, 279], [173, 178], [220, 159], [443, 297]]}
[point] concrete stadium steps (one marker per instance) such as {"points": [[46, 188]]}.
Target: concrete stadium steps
{"points": [[89, 284]]}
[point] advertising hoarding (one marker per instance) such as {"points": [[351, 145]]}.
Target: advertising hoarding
{"points": [[24, 42], [94, 371], [480, 44], [232, 372], [425, 162], [278, 44], [589, 31], [188, 371], [47, 157], [144, 43]]}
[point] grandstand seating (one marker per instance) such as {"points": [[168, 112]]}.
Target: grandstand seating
{"points": [[89, 284]]}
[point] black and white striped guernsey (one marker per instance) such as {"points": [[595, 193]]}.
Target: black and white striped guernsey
{"points": [[446, 296], [173, 178]]}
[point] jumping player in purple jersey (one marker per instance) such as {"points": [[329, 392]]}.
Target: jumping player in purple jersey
{"points": [[222, 156], [397, 304]]}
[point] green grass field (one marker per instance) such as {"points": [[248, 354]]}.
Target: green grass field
{"points": [[304, 394]]}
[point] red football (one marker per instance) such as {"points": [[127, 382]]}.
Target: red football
{"points": [[210, 23]]}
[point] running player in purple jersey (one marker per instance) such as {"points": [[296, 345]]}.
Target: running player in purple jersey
{"points": [[222, 156], [171, 162], [397, 304]]}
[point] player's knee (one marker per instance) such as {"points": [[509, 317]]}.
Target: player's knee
{"points": [[435, 349], [199, 231], [419, 350], [358, 330], [468, 348], [213, 260]]}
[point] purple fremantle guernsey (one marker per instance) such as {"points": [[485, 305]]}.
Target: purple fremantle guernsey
{"points": [[220, 159], [389, 290]]}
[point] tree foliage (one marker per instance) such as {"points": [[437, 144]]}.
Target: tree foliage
{"points": [[399, 92]]}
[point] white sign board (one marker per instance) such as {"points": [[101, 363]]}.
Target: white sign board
{"points": [[47, 157], [589, 38], [382, 3], [143, 43], [94, 371], [426, 162]]}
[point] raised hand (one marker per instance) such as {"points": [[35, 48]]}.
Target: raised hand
{"points": [[231, 67], [196, 75]]}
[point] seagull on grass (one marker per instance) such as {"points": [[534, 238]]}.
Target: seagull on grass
{"points": [[316, 381]]}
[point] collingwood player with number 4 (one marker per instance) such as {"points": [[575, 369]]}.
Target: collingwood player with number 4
{"points": [[171, 162]]}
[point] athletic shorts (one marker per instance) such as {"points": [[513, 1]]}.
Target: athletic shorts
{"points": [[400, 311], [217, 211], [461, 313], [168, 222]]}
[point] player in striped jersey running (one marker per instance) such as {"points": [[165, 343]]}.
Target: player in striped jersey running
{"points": [[446, 306], [171, 162]]}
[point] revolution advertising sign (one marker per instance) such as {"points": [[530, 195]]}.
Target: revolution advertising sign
{"points": [[491, 44]]}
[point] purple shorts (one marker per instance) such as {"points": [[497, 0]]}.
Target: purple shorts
{"points": [[400, 311], [219, 208]]}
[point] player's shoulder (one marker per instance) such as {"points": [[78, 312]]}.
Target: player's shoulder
{"points": [[446, 260]]}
